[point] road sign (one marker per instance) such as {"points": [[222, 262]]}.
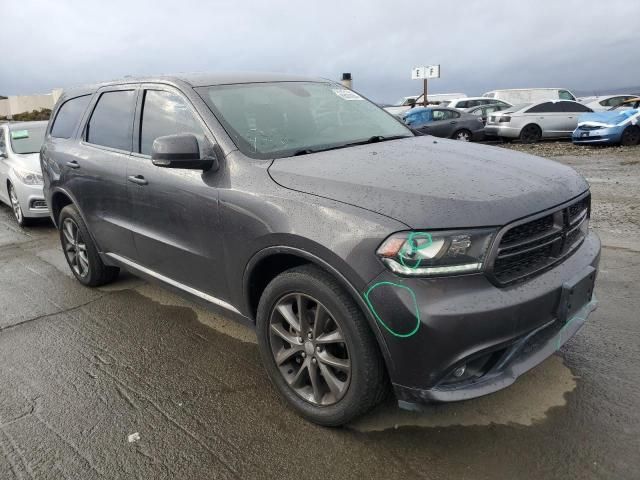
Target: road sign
{"points": [[428, 71]]}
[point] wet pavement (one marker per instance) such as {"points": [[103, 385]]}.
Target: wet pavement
{"points": [[132, 381]]}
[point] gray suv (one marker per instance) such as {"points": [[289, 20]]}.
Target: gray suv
{"points": [[367, 258]]}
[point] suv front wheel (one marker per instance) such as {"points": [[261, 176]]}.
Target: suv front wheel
{"points": [[317, 347]]}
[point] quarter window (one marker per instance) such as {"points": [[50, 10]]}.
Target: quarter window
{"points": [[68, 116], [111, 124], [165, 113]]}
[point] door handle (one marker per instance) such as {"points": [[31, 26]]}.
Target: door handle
{"points": [[137, 179], [453, 123], [73, 164]]}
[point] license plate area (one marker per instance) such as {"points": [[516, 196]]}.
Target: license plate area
{"points": [[575, 294]]}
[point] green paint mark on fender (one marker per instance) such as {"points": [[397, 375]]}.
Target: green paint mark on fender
{"points": [[375, 313], [412, 247]]}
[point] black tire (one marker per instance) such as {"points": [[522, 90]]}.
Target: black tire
{"points": [[96, 273], [368, 382], [18, 214], [531, 133], [630, 136], [463, 135]]}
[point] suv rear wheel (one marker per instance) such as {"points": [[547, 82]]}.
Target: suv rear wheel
{"points": [[80, 251], [317, 347]]}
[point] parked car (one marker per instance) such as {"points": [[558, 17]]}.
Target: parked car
{"points": [[619, 125], [407, 103], [519, 96], [599, 104], [465, 103], [533, 122], [483, 111], [445, 122], [365, 256], [20, 175]]}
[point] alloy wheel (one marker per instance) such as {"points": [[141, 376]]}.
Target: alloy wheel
{"points": [[309, 349], [463, 136], [75, 248], [15, 204], [530, 134]]}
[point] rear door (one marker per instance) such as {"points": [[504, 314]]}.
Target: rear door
{"points": [[572, 112], [100, 167], [549, 116], [175, 211], [444, 122]]}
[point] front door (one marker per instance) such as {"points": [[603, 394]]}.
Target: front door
{"points": [[175, 211]]}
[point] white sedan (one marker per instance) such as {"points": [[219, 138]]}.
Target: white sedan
{"points": [[20, 173]]}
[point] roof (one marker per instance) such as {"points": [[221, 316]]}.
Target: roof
{"points": [[198, 80]]}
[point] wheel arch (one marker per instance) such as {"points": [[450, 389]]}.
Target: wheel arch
{"points": [[265, 265]]}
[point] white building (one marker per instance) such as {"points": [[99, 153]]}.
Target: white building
{"points": [[15, 104]]}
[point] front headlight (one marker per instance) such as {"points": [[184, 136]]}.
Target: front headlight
{"points": [[29, 178], [422, 253]]}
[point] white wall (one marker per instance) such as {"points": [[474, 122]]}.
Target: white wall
{"points": [[27, 103], [4, 108]]}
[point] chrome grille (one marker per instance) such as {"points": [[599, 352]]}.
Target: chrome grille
{"points": [[531, 247]]}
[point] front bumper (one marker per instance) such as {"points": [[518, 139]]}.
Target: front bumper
{"points": [[432, 326], [31, 198], [603, 135]]}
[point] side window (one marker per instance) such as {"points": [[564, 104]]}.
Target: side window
{"points": [[573, 107], [68, 116], [565, 95], [542, 108], [439, 115], [478, 112], [465, 104], [166, 113], [111, 124]]}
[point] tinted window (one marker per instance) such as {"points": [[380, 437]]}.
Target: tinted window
{"points": [[165, 113], [546, 107], [464, 104], [112, 119], [572, 107], [68, 116]]}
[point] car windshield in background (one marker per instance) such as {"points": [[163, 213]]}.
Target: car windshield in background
{"points": [[281, 119], [27, 140]]}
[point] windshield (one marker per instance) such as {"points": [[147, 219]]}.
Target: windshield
{"points": [[280, 119], [27, 140]]}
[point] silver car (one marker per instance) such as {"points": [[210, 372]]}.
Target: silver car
{"points": [[532, 122], [20, 174]]}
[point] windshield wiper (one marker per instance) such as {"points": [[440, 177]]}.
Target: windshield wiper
{"points": [[374, 139]]}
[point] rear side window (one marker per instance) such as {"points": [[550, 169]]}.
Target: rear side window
{"points": [[546, 107], [68, 116], [111, 124], [572, 107], [166, 113]]}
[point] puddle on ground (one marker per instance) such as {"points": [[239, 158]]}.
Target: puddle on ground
{"points": [[223, 325], [525, 402]]}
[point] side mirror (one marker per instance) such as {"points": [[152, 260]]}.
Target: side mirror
{"points": [[180, 151]]}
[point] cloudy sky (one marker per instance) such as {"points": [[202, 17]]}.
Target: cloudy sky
{"points": [[481, 44]]}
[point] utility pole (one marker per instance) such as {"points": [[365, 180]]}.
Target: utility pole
{"points": [[424, 97]]}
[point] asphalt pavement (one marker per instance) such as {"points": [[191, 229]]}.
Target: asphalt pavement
{"points": [[132, 381]]}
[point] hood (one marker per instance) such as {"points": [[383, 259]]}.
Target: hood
{"points": [[28, 161], [433, 183], [610, 118]]}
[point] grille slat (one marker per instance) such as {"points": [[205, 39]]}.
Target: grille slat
{"points": [[532, 247]]}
